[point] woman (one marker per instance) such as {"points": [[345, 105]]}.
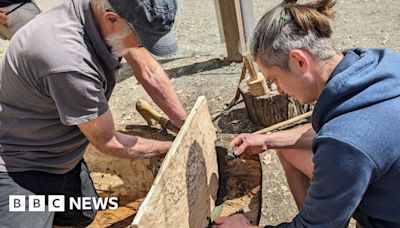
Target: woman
{"points": [[347, 162]]}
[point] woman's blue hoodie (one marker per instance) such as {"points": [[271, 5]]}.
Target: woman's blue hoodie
{"points": [[357, 147]]}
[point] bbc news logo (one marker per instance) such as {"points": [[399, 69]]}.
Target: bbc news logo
{"points": [[56, 203]]}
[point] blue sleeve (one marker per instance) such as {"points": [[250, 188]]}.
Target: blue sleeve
{"points": [[341, 176]]}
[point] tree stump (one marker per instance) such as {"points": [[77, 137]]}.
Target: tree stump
{"points": [[271, 108]]}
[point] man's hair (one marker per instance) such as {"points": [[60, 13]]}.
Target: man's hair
{"points": [[115, 41], [291, 26]]}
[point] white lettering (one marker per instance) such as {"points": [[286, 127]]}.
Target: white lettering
{"points": [[86, 203], [37, 203], [56, 203], [100, 203], [113, 201], [16, 203], [74, 203]]}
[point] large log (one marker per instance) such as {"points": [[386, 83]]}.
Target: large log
{"points": [[271, 108], [125, 177], [184, 191]]}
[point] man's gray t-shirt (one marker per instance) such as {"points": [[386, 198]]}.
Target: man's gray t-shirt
{"points": [[56, 74]]}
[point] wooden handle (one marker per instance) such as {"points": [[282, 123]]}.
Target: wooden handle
{"points": [[250, 65], [284, 123], [153, 117]]}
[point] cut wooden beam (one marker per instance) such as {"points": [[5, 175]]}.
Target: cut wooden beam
{"points": [[232, 24], [235, 23], [184, 191]]}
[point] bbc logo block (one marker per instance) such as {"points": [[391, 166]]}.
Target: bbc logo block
{"points": [[16, 203], [36, 203], [57, 203]]}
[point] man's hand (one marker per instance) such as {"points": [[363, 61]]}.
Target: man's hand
{"points": [[233, 221], [3, 16], [248, 144], [102, 134]]}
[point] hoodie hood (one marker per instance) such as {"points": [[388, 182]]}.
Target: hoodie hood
{"points": [[363, 78]]}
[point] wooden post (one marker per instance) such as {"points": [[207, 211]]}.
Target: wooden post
{"points": [[236, 18]]}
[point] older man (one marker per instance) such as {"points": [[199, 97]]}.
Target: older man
{"points": [[56, 77]]}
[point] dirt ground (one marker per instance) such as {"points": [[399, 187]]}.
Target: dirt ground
{"points": [[200, 69]]}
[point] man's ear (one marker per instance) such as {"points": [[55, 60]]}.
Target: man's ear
{"points": [[112, 22], [298, 61]]}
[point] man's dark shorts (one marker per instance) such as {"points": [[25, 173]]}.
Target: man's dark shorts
{"points": [[75, 183]]}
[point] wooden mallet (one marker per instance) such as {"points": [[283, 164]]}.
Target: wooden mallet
{"points": [[257, 84], [153, 117]]}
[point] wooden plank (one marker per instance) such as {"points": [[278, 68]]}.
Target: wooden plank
{"points": [[184, 191]]}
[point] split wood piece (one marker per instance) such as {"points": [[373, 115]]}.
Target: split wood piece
{"points": [[184, 191], [153, 117], [257, 84], [284, 123]]}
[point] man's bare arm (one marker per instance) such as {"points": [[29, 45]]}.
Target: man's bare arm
{"points": [[297, 138], [101, 133], [157, 84]]}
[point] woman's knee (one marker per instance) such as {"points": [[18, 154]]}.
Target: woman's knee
{"points": [[297, 159]]}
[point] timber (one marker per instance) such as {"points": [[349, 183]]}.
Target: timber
{"points": [[284, 123], [184, 191], [271, 108], [125, 177], [233, 30]]}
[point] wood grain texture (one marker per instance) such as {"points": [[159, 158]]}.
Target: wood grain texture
{"points": [[272, 107], [125, 177], [184, 191], [231, 29]]}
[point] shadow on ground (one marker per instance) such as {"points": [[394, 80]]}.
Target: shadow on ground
{"points": [[126, 71], [236, 121]]}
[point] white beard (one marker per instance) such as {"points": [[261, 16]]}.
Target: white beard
{"points": [[115, 41]]}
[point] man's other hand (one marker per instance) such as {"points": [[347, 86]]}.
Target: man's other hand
{"points": [[248, 144]]}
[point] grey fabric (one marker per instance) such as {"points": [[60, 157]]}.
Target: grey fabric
{"points": [[56, 73], [75, 183]]}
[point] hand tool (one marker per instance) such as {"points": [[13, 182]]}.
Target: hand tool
{"points": [[153, 117], [257, 84]]}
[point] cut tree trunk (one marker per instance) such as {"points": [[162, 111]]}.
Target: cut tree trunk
{"points": [[271, 108]]}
